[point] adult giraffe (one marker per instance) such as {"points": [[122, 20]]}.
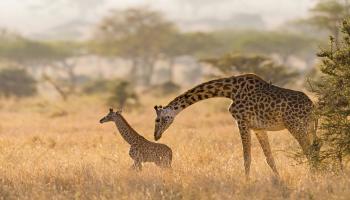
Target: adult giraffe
{"points": [[256, 105]]}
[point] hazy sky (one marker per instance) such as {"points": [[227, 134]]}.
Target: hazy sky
{"points": [[30, 16]]}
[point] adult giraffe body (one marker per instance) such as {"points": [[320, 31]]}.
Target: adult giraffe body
{"points": [[256, 105]]}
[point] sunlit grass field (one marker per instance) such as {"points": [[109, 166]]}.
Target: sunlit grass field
{"points": [[58, 150]]}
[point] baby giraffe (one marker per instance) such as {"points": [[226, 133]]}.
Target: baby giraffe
{"points": [[141, 149]]}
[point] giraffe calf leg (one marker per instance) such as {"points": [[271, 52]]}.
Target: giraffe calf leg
{"points": [[164, 163], [137, 166]]}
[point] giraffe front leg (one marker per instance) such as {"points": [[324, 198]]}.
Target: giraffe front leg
{"points": [[265, 145], [299, 131], [246, 142]]}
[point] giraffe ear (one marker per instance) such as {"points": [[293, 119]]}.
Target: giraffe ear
{"points": [[158, 109]]}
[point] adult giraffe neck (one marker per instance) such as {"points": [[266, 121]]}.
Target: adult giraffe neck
{"points": [[126, 131], [223, 87]]}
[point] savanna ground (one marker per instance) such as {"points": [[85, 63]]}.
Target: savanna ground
{"points": [[55, 150]]}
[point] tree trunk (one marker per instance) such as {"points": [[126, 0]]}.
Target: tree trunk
{"points": [[134, 70], [148, 69], [171, 70], [60, 90], [69, 67]]}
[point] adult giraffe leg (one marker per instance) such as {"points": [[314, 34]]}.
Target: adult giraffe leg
{"points": [[265, 145], [246, 142]]}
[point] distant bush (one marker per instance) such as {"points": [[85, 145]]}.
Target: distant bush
{"points": [[16, 82], [120, 93], [123, 94]]}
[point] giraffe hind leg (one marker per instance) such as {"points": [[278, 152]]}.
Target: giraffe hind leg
{"points": [[265, 145], [246, 142], [163, 162], [168, 163]]}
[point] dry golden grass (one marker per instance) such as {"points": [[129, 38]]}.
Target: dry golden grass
{"points": [[52, 150]]}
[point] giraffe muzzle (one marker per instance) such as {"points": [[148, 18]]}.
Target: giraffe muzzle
{"points": [[157, 136], [102, 120]]}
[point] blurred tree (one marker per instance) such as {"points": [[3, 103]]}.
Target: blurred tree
{"points": [[263, 66], [14, 47], [26, 52], [63, 56], [29, 54], [16, 82], [328, 15], [267, 43], [283, 44], [136, 34], [196, 44], [98, 86], [333, 90]]}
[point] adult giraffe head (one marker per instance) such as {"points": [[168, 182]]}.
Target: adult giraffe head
{"points": [[165, 116]]}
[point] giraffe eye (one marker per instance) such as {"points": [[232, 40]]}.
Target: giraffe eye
{"points": [[157, 120]]}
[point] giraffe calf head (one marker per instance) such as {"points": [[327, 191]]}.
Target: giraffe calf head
{"points": [[163, 120], [110, 116]]}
